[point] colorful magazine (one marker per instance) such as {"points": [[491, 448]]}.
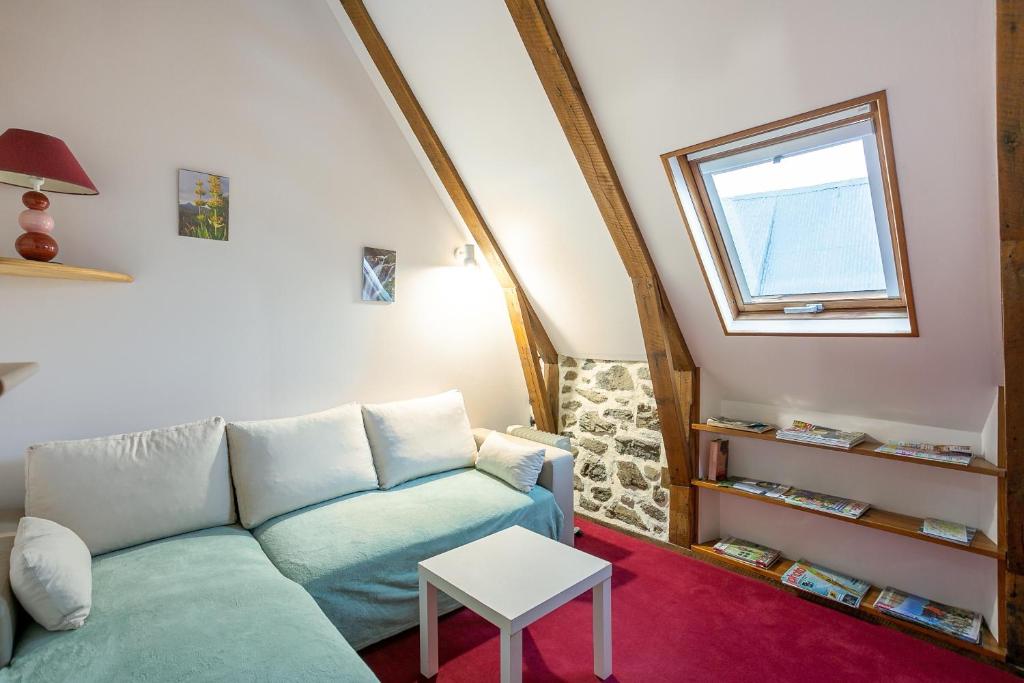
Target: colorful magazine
{"points": [[844, 507], [747, 552], [948, 531], [760, 488], [805, 432], [959, 623], [958, 455], [826, 583], [742, 425]]}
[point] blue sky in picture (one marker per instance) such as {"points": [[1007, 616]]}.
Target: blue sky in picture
{"points": [[187, 185]]}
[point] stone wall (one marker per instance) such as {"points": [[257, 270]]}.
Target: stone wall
{"points": [[607, 409]]}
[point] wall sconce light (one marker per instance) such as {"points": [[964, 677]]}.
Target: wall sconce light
{"points": [[466, 255]]}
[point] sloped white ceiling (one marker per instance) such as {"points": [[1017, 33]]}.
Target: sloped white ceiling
{"points": [[660, 75], [471, 75]]}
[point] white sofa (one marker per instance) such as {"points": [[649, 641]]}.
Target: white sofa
{"points": [[169, 594]]}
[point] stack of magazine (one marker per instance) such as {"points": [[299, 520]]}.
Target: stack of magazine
{"points": [[821, 502], [834, 505], [826, 583], [958, 455], [959, 623], [805, 432], [948, 531], [742, 425], [746, 552], [760, 488]]}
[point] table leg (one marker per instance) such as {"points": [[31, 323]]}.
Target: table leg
{"points": [[603, 629], [428, 628], [511, 656]]}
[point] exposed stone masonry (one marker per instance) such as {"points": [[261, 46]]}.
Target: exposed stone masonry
{"points": [[608, 412]]}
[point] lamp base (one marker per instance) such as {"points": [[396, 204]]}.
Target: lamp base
{"points": [[36, 246]]}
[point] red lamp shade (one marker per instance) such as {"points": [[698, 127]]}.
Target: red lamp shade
{"points": [[26, 155]]}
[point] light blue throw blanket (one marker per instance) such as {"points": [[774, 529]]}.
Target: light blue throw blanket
{"points": [[357, 555], [204, 606]]}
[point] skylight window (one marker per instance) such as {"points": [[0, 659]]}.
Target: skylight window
{"points": [[799, 221]]}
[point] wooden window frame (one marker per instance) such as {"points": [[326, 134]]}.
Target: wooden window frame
{"points": [[837, 305]]}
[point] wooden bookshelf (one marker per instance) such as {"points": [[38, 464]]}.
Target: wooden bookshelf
{"points": [[24, 268], [866, 448], [988, 647], [892, 522]]}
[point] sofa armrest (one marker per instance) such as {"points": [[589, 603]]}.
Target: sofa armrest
{"points": [[8, 525], [555, 476]]}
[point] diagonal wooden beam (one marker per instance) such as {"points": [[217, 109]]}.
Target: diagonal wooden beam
{"points": [[673, 372], [532, 340], [1010, 155]]}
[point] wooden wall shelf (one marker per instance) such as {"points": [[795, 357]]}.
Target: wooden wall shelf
{"points": [[866, 448], [987, 648], [891, 522], [22, 268]]}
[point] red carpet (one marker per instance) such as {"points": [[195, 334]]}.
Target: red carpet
{"points": [[670, 624]]}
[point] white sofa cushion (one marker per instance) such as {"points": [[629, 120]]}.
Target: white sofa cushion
{"points": [[119, 491], [51, 574], [286, 464], [516, 463], [411, 439]]}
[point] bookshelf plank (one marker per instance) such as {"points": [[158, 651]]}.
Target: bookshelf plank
{"points": [[883, 520], [865, 448], [987, 648]]}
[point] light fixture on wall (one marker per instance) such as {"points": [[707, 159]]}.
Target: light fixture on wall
{"points": [[466, 255], [32, 160]]}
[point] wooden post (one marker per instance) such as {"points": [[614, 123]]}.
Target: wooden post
{"points": [[532, 341], [673, 372], [1010, 153]]}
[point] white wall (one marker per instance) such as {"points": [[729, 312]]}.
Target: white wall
{"points": [[269, 323], [469, 71], [679, 72]]}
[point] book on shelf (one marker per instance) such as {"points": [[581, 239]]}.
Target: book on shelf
{"points": [[959, 623], [822, 502], [958, 455], [742, 425], [948, 531], [718, 457], [826, 583], [747, 552], [805, 432], [760, 488]]}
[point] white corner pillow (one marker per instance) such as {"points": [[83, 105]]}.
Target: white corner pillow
{"points": [[516, 463], [412, 439], [120, 491], [51, 574], [286, 464]]}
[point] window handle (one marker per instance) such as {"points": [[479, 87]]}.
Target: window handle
{"points": [[806, 308]]}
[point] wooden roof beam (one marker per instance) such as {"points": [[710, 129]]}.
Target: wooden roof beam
{"points": [[673, 372], [1010, 155], [532, 340]]}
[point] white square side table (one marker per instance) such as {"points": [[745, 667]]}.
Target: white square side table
{"points": [[512, 578]]}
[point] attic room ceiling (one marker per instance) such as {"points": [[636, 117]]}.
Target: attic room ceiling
{"points": [[667, 74]]}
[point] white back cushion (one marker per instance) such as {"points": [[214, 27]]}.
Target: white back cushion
{"points": [[119, 491], [286, 464], [411, 439], [51, 574], [514, 461]]}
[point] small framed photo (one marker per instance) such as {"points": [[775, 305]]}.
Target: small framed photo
{"points": [[203, 203], [379, 274]]}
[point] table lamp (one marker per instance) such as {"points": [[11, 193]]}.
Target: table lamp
{"points": [[30, 159]]}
